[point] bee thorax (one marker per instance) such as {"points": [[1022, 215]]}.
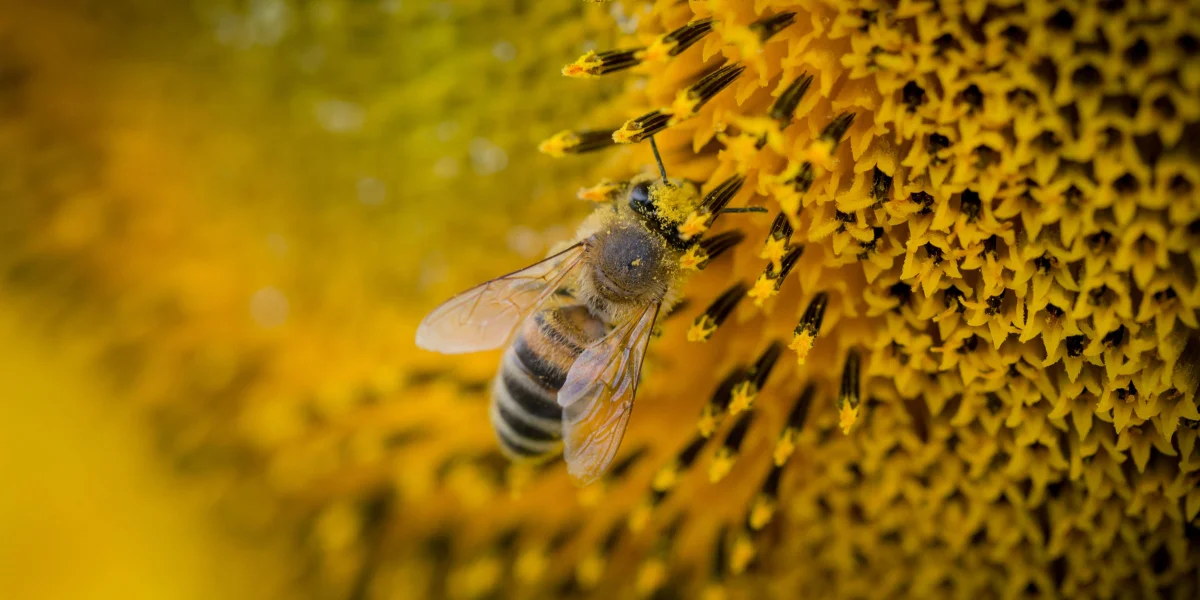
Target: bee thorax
{"points": [[628, 266]]}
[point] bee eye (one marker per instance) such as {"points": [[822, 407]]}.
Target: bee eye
{"points": [[639, 198]]}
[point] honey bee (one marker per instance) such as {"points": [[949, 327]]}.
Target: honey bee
{"points": [[576, 326]]}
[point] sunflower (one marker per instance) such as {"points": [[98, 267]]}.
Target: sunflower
{"points": [[958, 356]]}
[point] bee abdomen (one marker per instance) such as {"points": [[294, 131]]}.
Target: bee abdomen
{"points": [[520, 434], [525, 411], [551, 374], [523, 394]]}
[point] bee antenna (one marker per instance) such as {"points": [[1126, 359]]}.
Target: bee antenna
{"points": [[661, 169], [748, 209]]}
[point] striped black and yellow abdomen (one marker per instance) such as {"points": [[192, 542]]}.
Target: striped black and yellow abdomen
{"points": [[524, 408]]}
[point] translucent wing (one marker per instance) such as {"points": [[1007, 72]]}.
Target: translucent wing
{"points": [[484, 317], [597, 397]]}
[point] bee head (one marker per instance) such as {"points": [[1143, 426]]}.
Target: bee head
{"points": [[663, 206], [641, 201]]}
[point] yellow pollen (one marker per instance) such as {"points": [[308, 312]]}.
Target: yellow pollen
{"points": [[630, 130], [743, 396], [657, 50], [847, 416], [764, 287], [789, 199], [744, 38], [602, 192], [558, 144], [741, 555], [759, 128], [774, 251], [820, 153], [762, 512], [802, 343], [650, 577], [584, 66], [740, 148], [694, 259], [722, 463], [684, 107], [708, 421], [675, 203], [785, 447], [590, 570], [477, 578], [665, 478], [695, 224], [702, 329], [623, 135], [530, 566]]}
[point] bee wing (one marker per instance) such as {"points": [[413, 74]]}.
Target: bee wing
{"points": [[597, 397], [484, 317]]}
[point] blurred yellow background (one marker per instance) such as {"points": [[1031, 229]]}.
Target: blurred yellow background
{"points": [[88, 510], [212, 213]]}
